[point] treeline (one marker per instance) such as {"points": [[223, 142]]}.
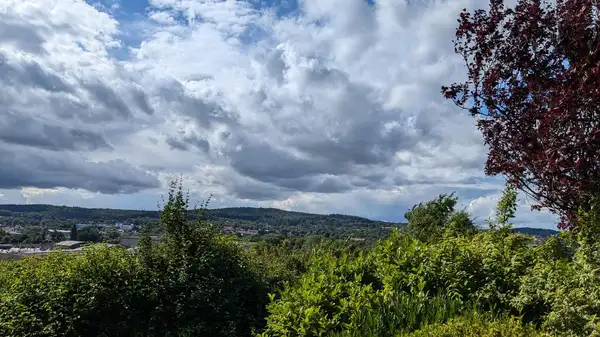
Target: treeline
{"points": [[270, 221], [259, 216], [266, 220]]}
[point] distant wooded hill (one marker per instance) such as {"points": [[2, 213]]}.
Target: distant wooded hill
{"points": [[248, 217], [540, 232], [285, 222], [51, 212]]}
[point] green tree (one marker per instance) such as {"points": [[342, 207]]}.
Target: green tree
{"points": [[111, 235], [56, 236], [428, 221], [73, 235], [212, 288], [506, 208], [89, 234]]}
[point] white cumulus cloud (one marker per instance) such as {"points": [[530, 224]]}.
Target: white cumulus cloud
{"points": [[332, 106]]}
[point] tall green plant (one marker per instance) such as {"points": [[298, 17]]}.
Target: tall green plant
{"points": [[429, 221], [506, 208], [210, 287]]}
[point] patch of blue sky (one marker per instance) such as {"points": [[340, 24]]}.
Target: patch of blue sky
{"points": [[281, 8], [131, 14], [134, 24], [126, 10]]}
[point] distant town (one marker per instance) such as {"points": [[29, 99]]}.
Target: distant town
{"points": [[40, 229], [66, 240]]}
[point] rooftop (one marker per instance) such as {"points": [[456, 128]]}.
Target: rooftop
{"points": [[69, 243]]}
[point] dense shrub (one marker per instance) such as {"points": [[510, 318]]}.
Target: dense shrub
{"points": [[563, 296], [402, 284], [478, 326], [196, 282], [98, 293], [484, 268], [429, 221], [449, 286]]}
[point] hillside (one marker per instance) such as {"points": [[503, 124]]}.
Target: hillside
{"points": [[264, 219], [539, 232], [271, 219], [261, 215]]}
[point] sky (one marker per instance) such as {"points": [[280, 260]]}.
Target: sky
{"points": [[308, 105]]}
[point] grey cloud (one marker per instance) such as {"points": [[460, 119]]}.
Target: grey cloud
{"points": [[31, 74], [23, 35], [247, 188], [205, 113], [317, 184], [20, 167], [360, 138], [358, 142], [257, 193], [55, 107], [330, 185], [108, 98], [141, 99], [25, 130], [177, 144], [94, 111], [275, 65], [182, 143], [263, 162], [466, 194]]}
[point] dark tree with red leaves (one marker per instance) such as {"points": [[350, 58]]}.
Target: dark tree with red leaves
{"points": [[534, 87]]}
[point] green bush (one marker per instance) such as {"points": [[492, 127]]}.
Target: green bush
{"points": [[563, 296], [402, 284], [477, 326], [323, 299], [96, 293], [429, 221], [407, 282], [196, 282]]}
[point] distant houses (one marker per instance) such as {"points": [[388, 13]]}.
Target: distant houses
{"points": [[240, 231], [121, 227], [247, 231], [69, 244], [60, 231]]}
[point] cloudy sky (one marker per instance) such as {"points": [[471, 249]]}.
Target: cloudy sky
{"points": [[320, 106]]}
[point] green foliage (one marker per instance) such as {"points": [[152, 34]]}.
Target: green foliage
{"points": [[204, 285], [93, 294], [400, 285], [429, 221], [477, 325], [506, 209], [267, 220], [73, 232], [89, 234], [562, 295], [196, 282], [456, 285], [57, 237], [278, 263]]}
